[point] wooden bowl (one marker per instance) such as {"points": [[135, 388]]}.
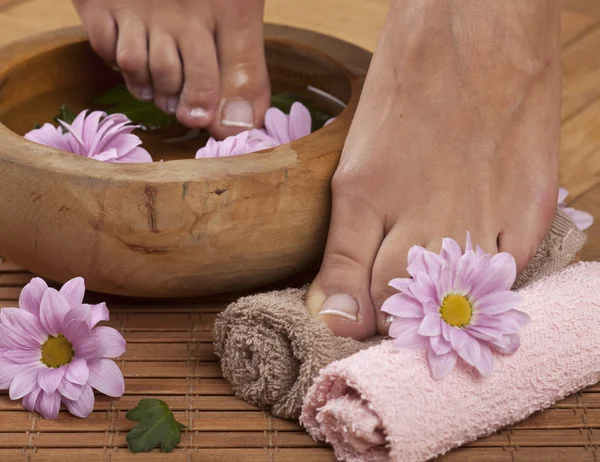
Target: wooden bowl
{"points": [[172, 229]]}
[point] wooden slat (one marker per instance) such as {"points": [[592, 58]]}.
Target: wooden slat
{"points": [[18, 420], [178, 455]]}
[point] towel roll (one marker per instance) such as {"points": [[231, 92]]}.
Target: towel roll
{"points": [[271, 349], [382, 404]]}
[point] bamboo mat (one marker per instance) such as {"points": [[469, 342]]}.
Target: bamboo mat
{"points": [[170, 354], [170, 357]]}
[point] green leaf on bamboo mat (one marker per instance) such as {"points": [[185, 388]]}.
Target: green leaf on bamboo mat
{"points": [[118, 100], [157, 427]]}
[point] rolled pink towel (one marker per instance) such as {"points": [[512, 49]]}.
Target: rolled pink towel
{"points": [[382, 404]]}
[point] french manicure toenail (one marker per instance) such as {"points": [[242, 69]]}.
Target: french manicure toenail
{"points": [[172, 104], [146, 93], [198, 113], [341, 305], [238, 113]]}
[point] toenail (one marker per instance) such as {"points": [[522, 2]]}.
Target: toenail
{"points": [[198, 113], [172, 104], [238, 113], [146, 93], [341, 305]]}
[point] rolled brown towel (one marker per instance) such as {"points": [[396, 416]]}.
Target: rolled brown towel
{"points": [[271, 348]]}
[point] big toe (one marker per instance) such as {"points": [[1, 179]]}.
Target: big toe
{"points": [[339, 295]]}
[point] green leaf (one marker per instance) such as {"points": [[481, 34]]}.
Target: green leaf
{"points": [[157, 426], [65, 114], [118, 100]]}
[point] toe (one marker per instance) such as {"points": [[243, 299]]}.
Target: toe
{"points": [[101, 29], [132, 56], [200, 93], [166, 71], [522, 237], [245, 89], [339, 295], [390, 263]]}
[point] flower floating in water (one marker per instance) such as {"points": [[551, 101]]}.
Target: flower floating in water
{"points": [[287, 128], [237, 145], [94, 135], [51, 350], [581, 219], [457, 305], [280, 128]]}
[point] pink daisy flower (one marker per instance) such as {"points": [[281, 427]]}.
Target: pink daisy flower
{"points": [[581, 219], [457, 305], [243, 143], [97, 136], [51, 350]]}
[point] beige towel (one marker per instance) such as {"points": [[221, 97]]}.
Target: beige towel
{"points": [[271, 349]]}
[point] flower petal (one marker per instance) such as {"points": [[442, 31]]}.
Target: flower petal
{"points": [[401, 284], [23, 322], [276, 124], [440, 346], [106, 377], [113, 340], [8, 371], [49, 379], [22, 356], [499, 276], [471, 352], [15, 339], [513, 321], [451, 251], [416, 260], [458, 337], [99, 313], [48, 405], [431, 325], [83, 406], [300, 121], [25, 380], [486, 361], [562, 194], [30, 400], [70, 390], [73, 291], [53, 309], [405, 334], [77, 371], [497, 302], [582, 220], [441, 365], [31, 296], [91, 347], [512, 344], [403, 305], [75, 331]]}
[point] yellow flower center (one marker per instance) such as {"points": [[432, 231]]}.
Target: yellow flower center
{"points": [[57, 351], [456, 310]]}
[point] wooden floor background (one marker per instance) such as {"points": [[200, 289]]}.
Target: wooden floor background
{"points": [[169, 346]]}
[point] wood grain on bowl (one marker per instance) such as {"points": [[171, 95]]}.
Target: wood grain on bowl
{"points": [[172, 229]]}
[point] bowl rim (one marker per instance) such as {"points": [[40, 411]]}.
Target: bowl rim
{"points": [[25, 152]]}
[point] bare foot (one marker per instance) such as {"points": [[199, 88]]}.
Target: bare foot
{"points": [[457, 129], [200, 59]]}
